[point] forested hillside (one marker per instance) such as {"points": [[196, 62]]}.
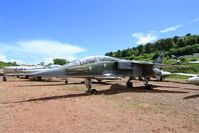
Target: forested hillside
{"points": [[177, 46], [3, 64]]}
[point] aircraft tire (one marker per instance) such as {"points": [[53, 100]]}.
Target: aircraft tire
{"points": [[129, 85], [66, 82], [39, 78], [4, 79], [93, 92], [148, 87], [99, 81]]}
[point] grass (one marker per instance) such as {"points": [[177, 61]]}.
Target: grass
{"points": [[188, 68], [4, 64]]}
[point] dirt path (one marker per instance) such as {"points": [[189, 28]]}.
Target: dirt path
{"points": [[53, 107]]}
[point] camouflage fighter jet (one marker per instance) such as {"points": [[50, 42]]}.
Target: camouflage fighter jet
{"points": [[101, 67]]}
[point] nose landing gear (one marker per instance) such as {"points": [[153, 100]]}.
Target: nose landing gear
{"points": [[88, 84]]}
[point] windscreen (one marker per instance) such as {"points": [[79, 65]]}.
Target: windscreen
{"points": [[91, 59]]}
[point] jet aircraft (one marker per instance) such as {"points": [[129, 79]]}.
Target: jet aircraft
{"points": [[101, 67], [24, 70]]}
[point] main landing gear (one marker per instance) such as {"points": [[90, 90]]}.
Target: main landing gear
{"points": [[27, 76], [66, 81], [129, 84], [147, 86], [39, 78], [88, 84], [4, 79], [99, 81]]}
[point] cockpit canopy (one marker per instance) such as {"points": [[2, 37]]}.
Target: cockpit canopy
{"points": [[90, 59], [52, 66]]}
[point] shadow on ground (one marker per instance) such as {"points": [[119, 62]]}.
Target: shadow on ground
{"points": [[76, 83], [191, 97], [114, 89]]}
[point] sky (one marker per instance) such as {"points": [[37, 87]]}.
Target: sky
{"points": [[34, 31]]}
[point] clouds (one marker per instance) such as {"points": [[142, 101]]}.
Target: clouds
{"points": [[48, 48], [3, 58], [36, 51], [172, 28], [144, 38], [194, 20], [153, 35]]}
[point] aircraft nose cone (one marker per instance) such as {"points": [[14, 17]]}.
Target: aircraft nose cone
{"points": [[56, 72]]}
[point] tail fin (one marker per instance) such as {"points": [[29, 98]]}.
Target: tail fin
{"points": [[159, 60]]}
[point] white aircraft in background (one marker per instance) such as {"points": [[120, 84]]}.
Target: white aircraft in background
{"points": [[18, 69], [23, 70], [194, 78], [27, 71]]}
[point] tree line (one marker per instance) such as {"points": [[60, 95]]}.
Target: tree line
{"points": [[177, 46]]}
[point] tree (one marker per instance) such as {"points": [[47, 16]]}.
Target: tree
{"points": [[148, 48], [140, 49], [60, 61], [175, 39], [14, 63], [42, 63], [176, 46], [180, 43], [183, 59], [109, 53], [189, 34]]}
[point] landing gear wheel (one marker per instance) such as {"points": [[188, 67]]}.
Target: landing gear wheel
{"points": [[129, 85], [27, 77], [4, 79], [66, 82], [140, 78], [92, 92], [39, 78], [148, 87], [99, 81]]}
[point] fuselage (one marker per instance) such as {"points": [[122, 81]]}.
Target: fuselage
{"points": [[19, 69], [109, 68], [103, 68]]}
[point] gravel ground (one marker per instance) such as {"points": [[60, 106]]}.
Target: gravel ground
{"points": [[53, 107]]}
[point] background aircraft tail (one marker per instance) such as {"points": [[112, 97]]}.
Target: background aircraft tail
{"points": [[159, 60]]}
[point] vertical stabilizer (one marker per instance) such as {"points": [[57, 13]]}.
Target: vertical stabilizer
{"points": [[159, 60]]}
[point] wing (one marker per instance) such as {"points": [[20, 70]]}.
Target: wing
{"points": [[186, 74]]}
